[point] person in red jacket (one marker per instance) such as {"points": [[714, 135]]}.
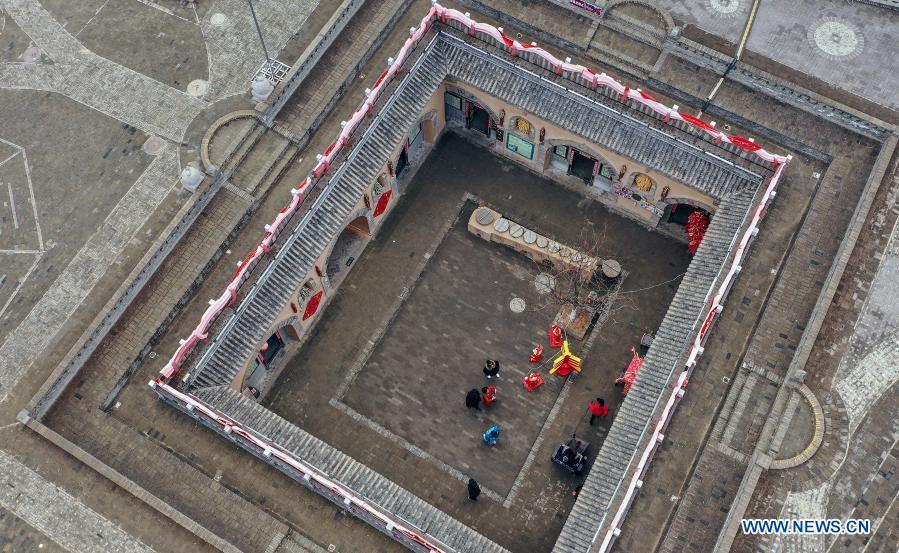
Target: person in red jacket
{"points": [[488, 394], [598, 409]]}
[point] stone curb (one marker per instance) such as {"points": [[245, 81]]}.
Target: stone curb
{"points": [[817, 437], [214, 128]]}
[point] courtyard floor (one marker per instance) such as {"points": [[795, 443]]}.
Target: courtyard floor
{"points": [[385, 371]]}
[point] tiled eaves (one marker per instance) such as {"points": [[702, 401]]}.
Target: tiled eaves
{"points": [[639, 411], [362, 480], [319, 226], [595, 121]]}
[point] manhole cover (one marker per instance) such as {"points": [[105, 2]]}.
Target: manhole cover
{"points": [[836, 38], [197, 88], [724, 8], [153, 146], [32, 54], [545, 283], [517, 305], [218, 19]]}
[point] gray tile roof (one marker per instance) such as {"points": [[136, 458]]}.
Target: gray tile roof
{"points": [[241, 335], [595, 121], [734, 187], [356, 476], [662, 363]]}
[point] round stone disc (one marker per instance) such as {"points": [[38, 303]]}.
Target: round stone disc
{"points": [[483, 216], [501, 225], [542, 242], [530, 236], [516, 231]]}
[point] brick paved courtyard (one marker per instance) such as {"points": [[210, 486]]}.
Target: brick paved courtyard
{"points": [[456, 315]]}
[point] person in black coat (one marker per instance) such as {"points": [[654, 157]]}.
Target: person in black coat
{"points": [[474, 490], [491, 368], [473, 399]]}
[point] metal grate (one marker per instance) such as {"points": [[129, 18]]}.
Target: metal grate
{"points": [[275, 72]]}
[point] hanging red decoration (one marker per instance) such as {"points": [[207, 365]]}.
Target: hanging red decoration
{"points": [[697, 223], [312, 306], [383, 201], [542, 134]]}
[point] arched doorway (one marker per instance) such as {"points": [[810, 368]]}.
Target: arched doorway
{"points": [[463, 109], [261, 372], [347, 248], [678, 211]]}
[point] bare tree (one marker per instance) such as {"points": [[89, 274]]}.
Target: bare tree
{"points": [[579, 284]]}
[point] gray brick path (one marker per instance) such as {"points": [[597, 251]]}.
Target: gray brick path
{"points": [[57, 514], [771, 349], [76, 281]]}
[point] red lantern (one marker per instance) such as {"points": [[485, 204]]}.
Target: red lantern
{"points": [[542, 134]]}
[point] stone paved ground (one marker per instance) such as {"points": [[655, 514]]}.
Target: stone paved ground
{"points": [[843, 43], [40, 76], [303, 391], [415, 380], [214, 458], [86, 200], [853, 360]]}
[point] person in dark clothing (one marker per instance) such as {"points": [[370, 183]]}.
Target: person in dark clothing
{"points": [[598, 409], [491, 368], [474, 490], [473, 399]]}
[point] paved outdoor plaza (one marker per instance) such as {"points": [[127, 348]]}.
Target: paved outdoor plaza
{"points": [[104, 102]]}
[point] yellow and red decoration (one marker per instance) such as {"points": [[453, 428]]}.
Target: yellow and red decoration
{"points": [[565, 363]]}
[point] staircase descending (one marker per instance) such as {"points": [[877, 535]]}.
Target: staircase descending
{"points": [[242, 334], [337, 465]]}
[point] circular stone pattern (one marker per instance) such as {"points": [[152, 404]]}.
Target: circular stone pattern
{"points": [[501, 225], [530, 236], [517, 305], [836, 39], [724, 8], [545, 283], [517, 231], [32, 54], [153, 145], [197, 88], [542, 242], [218, 19], [483, 216]]}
